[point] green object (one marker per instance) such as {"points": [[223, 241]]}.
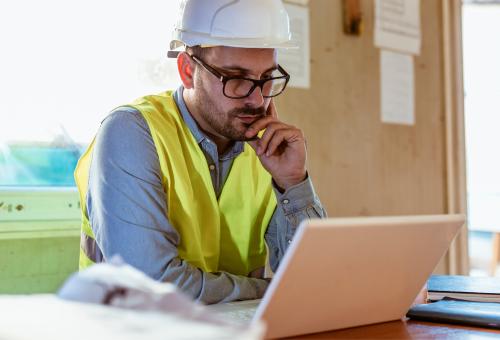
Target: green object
{"points": [[37, 265], [39, 239]]}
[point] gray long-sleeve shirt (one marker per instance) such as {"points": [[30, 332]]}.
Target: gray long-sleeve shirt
{"points": [[127, 209]]}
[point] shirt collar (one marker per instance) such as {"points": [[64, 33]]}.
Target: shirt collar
{"points": [[191, 123]]}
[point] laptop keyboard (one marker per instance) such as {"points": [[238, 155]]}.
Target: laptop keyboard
{"points": [[241, 315], [242, 311]]}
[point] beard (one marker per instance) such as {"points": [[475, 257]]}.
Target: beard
{"points": [[225, 124]]}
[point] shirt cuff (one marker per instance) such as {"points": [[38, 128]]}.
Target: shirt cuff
{"points": [[297, 197]]}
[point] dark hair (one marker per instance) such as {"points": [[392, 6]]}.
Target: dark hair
{"points": [[197, 50]]}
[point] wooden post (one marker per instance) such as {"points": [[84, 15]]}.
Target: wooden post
{"points": [[496, 253]]}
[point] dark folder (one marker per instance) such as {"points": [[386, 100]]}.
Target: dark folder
{"points": [[479, 289], [482, 314]]}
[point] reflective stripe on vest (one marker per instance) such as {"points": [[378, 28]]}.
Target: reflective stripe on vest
{"points": [[224, 234]]}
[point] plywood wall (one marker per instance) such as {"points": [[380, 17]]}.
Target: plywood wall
{"points": [[359, 165]]}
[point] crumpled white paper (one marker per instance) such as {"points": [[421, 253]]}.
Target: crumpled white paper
{"points": [[120, 285], [115, 301]]}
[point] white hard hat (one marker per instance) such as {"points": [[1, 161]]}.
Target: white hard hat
{"points": [[235, 23]]}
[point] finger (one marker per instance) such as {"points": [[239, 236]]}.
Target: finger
{"points": [[257, 273], [254, 144], [271, 109], [268, 135], [280, 136], [259, 125]]}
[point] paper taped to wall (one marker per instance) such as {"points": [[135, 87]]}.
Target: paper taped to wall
{"points": [[397, 25], [397, 88]]}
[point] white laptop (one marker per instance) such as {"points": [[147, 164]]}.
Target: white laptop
{"points": [[346, 272]]}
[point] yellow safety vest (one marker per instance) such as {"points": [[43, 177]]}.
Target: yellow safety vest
{"points": [[225, 234]]}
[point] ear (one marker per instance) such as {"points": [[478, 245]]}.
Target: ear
{"points": [[185, 66]]}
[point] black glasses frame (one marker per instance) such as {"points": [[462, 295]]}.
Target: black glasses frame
{"points": [[256, 82]]}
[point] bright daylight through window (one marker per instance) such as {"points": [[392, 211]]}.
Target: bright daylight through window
{"points": [[481, 29], [64, 66]]}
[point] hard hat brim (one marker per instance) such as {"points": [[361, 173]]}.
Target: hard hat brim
{"points": [[189, 39]]}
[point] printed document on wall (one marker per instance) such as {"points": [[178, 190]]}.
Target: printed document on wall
{"points": [[397, 25], [397, 88], [296, 60]]}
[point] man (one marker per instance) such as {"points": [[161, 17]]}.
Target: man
{"points": [[191, 186]]}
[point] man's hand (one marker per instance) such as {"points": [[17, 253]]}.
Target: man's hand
{"points": [[281, 150], [257, 273], [422, 296]]}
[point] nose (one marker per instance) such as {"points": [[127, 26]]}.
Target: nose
{"points": [[255, 99]]}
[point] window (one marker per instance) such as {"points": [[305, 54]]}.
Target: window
{"points": [[64, 66], [481, 29]]}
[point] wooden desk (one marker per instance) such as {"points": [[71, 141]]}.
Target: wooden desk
{"points": [[407, 330]]}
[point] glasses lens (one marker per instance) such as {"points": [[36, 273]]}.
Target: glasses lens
{"points": [[273, 87], [238, 88]]}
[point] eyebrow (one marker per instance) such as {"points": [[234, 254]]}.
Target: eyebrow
{"points": [[234, 68]]}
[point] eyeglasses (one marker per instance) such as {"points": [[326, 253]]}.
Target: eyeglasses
{"points": [[241, 87]]}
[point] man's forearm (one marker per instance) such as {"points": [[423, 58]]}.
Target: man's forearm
{"points": [[127, 208], [212, 287], [294, 205]]}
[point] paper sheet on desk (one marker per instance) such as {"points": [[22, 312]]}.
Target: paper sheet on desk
{"points": [[115, 301], [47, 317]]}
